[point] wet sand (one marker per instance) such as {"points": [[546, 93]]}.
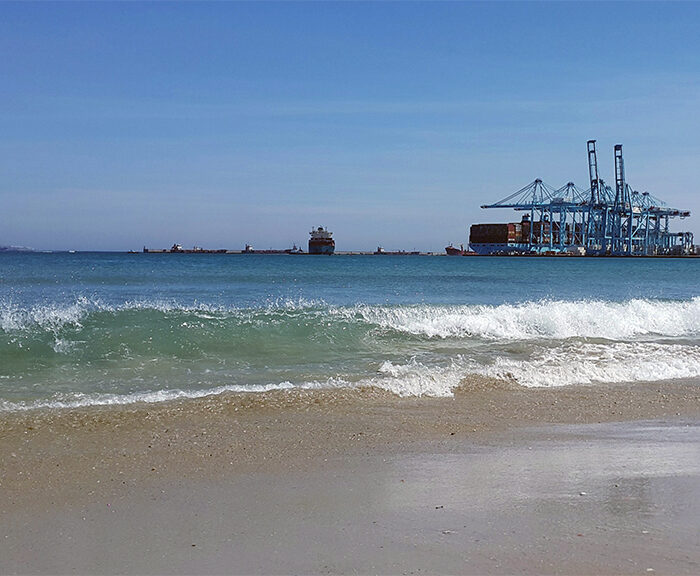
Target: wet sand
{"points": [[502, 480]]}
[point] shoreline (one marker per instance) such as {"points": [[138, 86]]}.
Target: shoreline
{"points": [[305, 457]]}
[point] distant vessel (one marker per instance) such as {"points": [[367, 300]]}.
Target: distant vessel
{"points": [[461, 251], [514, 237], [178, 249], [383, 252], [452, 251], [321, 241], [250, 250]]}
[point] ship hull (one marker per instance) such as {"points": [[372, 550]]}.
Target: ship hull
{"points": [[487, 248], [316, 247]]}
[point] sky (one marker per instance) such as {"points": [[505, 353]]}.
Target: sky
{"points": [[221, 124]]}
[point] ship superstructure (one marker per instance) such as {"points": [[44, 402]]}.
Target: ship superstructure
{"points": [[599, 221], [321, 241]]}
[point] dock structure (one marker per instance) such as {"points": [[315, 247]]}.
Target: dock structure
{"points": [[597, 221]]}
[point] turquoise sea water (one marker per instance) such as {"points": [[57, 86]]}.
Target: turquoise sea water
{"points": [[99, 328]]}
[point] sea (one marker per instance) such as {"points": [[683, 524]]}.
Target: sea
{"points": [[90, 329]]}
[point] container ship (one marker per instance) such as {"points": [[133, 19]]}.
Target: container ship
{"points": [[321, 241], [517, 237]]}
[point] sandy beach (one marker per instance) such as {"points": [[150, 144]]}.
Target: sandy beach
{"points": [[498, 479]]}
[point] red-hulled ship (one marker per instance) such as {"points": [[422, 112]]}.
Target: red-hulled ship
{"points": [[452, 251]]}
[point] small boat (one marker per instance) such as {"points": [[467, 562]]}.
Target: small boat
{"points": [[452, 251]]}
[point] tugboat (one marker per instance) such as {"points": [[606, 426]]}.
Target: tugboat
{"points": [[321, 241]]}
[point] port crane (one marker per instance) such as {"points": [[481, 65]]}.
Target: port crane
{"points": [[597, 221]]}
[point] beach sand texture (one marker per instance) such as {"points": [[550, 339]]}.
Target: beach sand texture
{"points": [[498, 479]]}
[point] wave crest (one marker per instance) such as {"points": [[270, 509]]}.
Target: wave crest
{"points": [[544, 319], [556, 319], [583, 364]]}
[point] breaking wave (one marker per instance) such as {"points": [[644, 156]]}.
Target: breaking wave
{"points": [[583, 363], [553, 319], [544, 319], [78, 400], [54, 316], [565, 365], [87, 352]]}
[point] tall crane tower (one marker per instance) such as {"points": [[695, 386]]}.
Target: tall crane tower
{"points": [[599, 221]]}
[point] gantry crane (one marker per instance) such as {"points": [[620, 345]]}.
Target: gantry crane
{"points": [[597, 221]]}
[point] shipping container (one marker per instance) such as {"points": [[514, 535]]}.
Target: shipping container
{"points": [[488, 233], [540, 232], [515, 232]]}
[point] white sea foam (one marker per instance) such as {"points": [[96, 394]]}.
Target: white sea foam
{"points": [[545, 319], [526, 321], [567, 365], [417, 379], [49, 317], [650, 340], [54, 316], [574, 364], [79, 400], [564, 365]]}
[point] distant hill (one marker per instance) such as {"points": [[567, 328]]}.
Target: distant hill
{"points": [[15, 249]]}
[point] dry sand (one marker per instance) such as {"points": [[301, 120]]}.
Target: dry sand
{"points": [[602, 479]]}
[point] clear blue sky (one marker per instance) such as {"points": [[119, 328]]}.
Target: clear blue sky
{"points": [[219, 124]]}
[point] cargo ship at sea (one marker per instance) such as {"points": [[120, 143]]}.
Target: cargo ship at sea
{"points": [[515, 237], [381, 252], [321, 241], [250, 250]]}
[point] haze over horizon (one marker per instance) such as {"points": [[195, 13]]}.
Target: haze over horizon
{"points": [[129, 124]]}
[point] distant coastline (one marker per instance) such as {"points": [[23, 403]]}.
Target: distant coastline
{"points": [[16, 249]]}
